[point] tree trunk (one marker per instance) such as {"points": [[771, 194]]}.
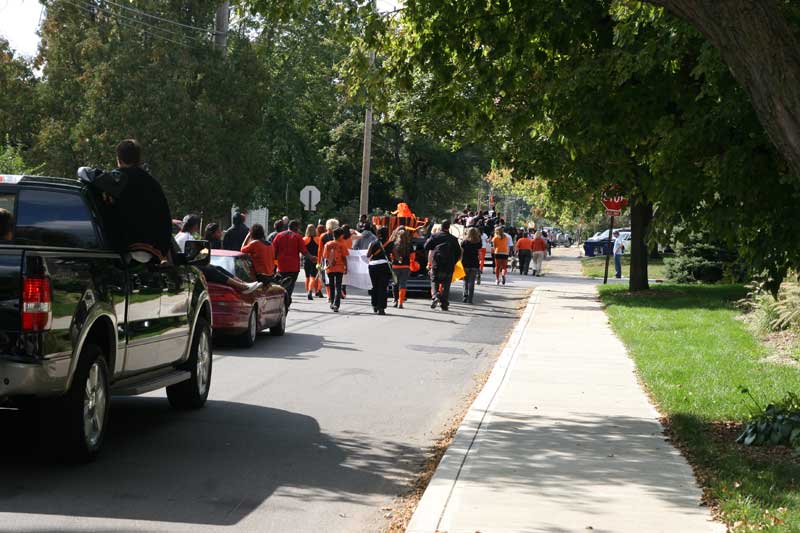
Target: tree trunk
{"points": [[761, 50], [641, 215]]}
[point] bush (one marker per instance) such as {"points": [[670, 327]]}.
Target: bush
{"points": [[700, 261], [770, 313], [778, 424]]}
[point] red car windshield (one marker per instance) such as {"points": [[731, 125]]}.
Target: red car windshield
{"points": [[239, 266]]}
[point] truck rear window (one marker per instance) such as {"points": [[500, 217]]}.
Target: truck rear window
{"points": [[54, 218], [7, 202]]}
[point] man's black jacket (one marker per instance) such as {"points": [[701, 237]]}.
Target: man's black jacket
{"points": [[234, 237], [445, 237], [140, 212]]}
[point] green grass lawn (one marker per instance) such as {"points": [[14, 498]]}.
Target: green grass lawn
{"points": [[593, 267], [693, 355]]}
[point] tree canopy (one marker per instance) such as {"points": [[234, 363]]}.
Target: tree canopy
{"points": [[585, 94], [250, 127]]}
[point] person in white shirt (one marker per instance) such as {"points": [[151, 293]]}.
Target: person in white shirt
{"points": [[190, 226], [486, 246], [619, 249]]}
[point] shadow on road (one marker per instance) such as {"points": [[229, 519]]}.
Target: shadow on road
{"points": [[213, 466], [298, 346]]}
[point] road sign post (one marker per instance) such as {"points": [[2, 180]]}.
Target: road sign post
{"points": [[309, 197], [613, 201]]}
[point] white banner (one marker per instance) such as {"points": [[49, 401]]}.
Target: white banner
{"points": [[358, 270]]}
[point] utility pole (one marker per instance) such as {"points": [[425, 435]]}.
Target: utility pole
{"points": [[221, 27], [363, 205]]}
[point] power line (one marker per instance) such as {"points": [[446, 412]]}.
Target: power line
{"points": [[146, 24], [92, 8], [150, 15]]}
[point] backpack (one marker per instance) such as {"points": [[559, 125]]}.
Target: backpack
{"points": [[443, 259]]}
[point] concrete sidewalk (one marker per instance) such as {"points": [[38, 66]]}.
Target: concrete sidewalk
{"points": [[562, 437]]}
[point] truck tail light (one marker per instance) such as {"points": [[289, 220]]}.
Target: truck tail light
{"points": [[37, 298]]}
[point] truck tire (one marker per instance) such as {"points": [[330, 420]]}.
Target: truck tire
{"points": [[193, 393], [81, 416], [248, 338]]}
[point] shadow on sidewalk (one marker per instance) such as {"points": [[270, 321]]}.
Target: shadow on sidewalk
{"points": [[573, 459]]}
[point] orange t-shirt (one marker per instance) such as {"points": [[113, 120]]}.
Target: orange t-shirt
{"points": [[524, 243], [539, 245], [336, 253], [263, 256], [500, 245], [324, 239]]}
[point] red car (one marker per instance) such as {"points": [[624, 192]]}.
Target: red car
{"points": [[245, 315]]}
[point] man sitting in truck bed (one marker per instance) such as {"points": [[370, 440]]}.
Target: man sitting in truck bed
{"points": [[138, 216], [6, 225]]}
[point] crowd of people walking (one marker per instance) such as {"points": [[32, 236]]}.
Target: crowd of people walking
{"points": [[322, 252]]}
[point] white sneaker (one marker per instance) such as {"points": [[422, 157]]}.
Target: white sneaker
{"points": [[252, 287]]}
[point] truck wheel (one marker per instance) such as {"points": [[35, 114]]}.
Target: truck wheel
{"points": [[248, 338], [280, 328], [193, 393], [82, 414]]}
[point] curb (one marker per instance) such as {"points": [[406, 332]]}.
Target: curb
{"points": [[433, 504]]}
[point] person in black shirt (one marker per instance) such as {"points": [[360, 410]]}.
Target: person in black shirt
{"points": [[135, 207], [213, 235], [470, 260], [380, 271], [277, 227], [236, 234], [446, 253]]}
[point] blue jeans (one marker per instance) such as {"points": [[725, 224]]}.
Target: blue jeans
{"points": [[469, 283], [618, 265]]}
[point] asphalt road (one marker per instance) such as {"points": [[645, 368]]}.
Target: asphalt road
{"points": [[314, 431]]}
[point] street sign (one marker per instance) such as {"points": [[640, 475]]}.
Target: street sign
{"points": [[309, 196], [613, 212]]}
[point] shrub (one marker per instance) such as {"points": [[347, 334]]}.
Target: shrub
{"points": [[770, 313], [699, 260], [777, 424]]}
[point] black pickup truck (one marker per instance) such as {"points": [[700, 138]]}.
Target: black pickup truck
{"points": [[80, 322]]}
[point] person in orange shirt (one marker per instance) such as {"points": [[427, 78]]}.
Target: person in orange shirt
{"points": [[324, 237], [320, 274], [261, 252], [524, 253], [501, 248], [334, 254], [538, 248]]}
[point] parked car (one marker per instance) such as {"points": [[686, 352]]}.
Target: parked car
{"points": [[626, 239], [244, 316], [79, 322], [598, 243]]}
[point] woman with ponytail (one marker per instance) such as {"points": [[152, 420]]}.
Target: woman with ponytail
{"points": [[402, 257]]}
